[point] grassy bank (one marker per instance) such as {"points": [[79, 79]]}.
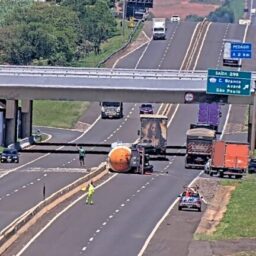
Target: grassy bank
{"points": [[58, 113], [65, 114], [239, 220], [237, 6], [107, 48]]}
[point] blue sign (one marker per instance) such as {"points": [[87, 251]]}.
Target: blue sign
{"points": [[229, 82], [241, 55], [241, 50], [241, 46]]}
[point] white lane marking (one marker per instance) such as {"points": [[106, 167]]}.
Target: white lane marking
{"points": [[201, 46], [110, 216], [104, 223], [142, 55], [122, 205], [174, 203], [174, 113], [98, 230], [43, 156], [226, 122], [57, 216], [192, 38], [91, 239], [137, 48], [162, 219], [41, 231]]}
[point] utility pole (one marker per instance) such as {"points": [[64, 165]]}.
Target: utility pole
{"points": [[123, 19]]}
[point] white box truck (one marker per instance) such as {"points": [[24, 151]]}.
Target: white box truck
{"points": [[227, 59], [159, 28]]}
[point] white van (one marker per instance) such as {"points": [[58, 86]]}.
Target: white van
{"points": [[175, 18]]}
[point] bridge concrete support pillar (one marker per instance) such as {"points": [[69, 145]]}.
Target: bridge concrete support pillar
{"points": [[252, 126], [26, 118], [11, 122]]}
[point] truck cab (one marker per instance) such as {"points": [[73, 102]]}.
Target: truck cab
{"points": [[111, 109]]}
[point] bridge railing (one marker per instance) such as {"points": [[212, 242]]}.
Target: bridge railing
{"points": [[106, 73]]}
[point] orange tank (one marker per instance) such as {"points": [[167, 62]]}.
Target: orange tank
{"points": [[119, 158]]}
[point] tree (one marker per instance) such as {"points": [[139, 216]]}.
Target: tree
{"points": [[98, 23], [41, 31]]}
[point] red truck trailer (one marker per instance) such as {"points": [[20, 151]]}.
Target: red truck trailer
{"points": [[229, 158]]}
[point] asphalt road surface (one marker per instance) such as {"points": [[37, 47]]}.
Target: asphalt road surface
{"points": [[127, 207]]}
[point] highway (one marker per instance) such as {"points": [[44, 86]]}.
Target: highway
{"points": [[128, 206]]}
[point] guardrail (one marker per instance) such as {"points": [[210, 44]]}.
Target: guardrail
{"points": [[105, 73], [12, 229]]}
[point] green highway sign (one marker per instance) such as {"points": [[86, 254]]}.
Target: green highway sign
{"points": [[229, 82]]}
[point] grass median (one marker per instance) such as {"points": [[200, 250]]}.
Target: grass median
{"points": [[239, 220], [65, 114]]}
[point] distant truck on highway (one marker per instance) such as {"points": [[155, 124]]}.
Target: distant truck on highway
{"points": [[229, 158], [153, 133], [199, 147], [111, 109], [159, 28], [209, 115], [227, 59]]}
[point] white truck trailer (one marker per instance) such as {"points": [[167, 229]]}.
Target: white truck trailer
{"points": [[227, 59], [159, 28]]}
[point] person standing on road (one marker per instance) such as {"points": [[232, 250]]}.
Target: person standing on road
{"points": [[91, 190], [81, 151]]}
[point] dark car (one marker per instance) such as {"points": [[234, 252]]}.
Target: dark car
{"points": [[146, 109], [252, 166], [9, 155], [190, 200]]}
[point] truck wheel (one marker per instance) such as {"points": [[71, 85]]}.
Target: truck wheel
{"points": [[238, 176], [199, 209], [180, 208], [186, 166], [211, 174], [221, 174]]}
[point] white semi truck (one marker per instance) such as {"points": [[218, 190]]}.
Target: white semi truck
{"points": [[159, 28]]}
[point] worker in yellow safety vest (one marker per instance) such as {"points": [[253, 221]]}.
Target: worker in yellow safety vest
{"points": [[91, 190]]}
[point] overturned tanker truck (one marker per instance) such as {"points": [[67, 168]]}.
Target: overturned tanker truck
{"points": [[127, 157]]}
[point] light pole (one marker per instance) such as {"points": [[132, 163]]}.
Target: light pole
{"points": [[123, 19]]}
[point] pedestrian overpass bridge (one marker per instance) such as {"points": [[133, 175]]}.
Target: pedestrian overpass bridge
{"points": [[102, 84]]}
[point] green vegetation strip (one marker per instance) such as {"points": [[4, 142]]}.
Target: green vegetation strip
{"points": [[107, 48], [65, 114], [237, 6], [62, 114], [239, 220]]}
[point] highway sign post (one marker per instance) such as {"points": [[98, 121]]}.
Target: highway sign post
{"points": [[229, 82], [241, 50]]}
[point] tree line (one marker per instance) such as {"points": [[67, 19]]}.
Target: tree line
{"points": [[225, 13], [53, 33]]}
